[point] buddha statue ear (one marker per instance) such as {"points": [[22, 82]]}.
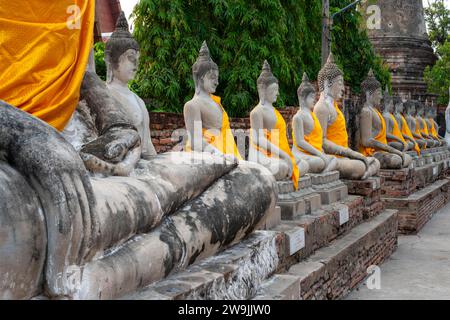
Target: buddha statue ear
{"points": [[326, 86]]}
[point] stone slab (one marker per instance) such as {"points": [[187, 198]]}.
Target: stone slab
{"points": [[280, 287]]}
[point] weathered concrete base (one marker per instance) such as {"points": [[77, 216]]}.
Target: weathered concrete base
{"points": [[330, 188], [293, 203], [398, 183], [416, 209], [333, 271], [370, 190]]}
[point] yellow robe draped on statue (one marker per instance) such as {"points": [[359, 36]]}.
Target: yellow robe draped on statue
{"points": [[380, 137], [315, 138], [407, 132], [425, 128], [433, 130], [44, 51], [396, 130], [223, 141], [278, 137], [337, 131], [418, 130]]}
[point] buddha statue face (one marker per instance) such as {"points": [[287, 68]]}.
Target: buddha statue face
{"points": [[374, 98], [331, 79], [389, 105], [306, 93], [371, 89], [335, 88], [267, 84], [127, 66], [205, 72], [399, 107]]}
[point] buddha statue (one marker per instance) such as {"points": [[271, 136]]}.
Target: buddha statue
{"points": [[351, 164], [269, 145], [307, 134], [394, 134], [410, 108], [423, 126], [122, 60], [433, 127], [74, 234], [206, 120], [373, 140], [403, 125]]}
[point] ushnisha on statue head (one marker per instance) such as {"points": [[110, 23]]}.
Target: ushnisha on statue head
{"points": [[121, 53], [306, 93], [371, 90], [388, 101], [267, 84], [331, 79], [205, 72]]}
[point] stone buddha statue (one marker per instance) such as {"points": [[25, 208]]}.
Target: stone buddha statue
{"points": [[76, 235], [410, 108], [433, 125], [307, 133], [352, 164], [403, 125], [373, 140], [423, 126], [122, 60], [269, 145], [206, 120], [394, 134]]}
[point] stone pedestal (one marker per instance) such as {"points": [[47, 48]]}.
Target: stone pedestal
{"points": [[330, 188], [370, 190], [398, 183]]}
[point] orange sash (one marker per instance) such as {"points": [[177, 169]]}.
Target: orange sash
{"points": [[315, 138], [418, 130], [278, 137], [433, 131], [44, 50], [396, 130], [381, 137], [337, 131], [223, 141], [407, 132], [425, 128]]}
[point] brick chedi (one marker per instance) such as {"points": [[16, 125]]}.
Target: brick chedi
{"points": [[403, 43]]}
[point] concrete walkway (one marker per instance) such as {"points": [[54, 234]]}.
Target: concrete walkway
{"points": [[419, 269]]}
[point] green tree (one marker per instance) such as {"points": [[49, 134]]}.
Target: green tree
{"points": [[240, 35], [437, 17], [99, 56], [437, 77]]}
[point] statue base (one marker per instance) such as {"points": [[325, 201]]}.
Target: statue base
{"points": [[330, 188]]}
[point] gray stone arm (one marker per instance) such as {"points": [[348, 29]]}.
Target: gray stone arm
{"points": [[259, 138], [57, 174], [194, 126], [367, 139], [299, 134]]}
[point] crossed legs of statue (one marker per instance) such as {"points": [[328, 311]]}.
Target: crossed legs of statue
{"points": [[392, 161], [315, 164], [356, 169]]}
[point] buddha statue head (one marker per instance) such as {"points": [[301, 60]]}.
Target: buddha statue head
{"points": [[371, 90], [205, 72], [398, 104], [121, 53], [306, 93], [420, 108], [410, 107], [388, 101], [331, 79], [267, 85]]}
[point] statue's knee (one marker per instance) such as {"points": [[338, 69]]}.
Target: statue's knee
{"points": [[396, 162]]}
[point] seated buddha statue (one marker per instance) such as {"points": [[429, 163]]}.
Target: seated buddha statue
{"points": [[373, 140], [351, 164], [72, 234], [122, 61], [307, 134], [403, 125], [206, 120], [269, 144], [423, 125], [430, 118], [410, 108], [394, 134]]}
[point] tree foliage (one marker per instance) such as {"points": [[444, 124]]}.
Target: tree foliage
{"points": [[240, 35], [99, 57], [437, 77], [437, 17]]}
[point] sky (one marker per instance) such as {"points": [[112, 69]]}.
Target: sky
{"points": [[128, 5]]}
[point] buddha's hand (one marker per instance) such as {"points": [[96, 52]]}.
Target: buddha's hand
{"points": [[124, 141], [405, 146], [325, 159], [364, 159]]}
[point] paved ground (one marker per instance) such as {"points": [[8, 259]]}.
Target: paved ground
{"points": [[419, 269]]}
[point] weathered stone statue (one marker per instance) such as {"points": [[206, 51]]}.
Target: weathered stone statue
{"points": [[422, 124], [410, 108], [122, 61], [403, 125], [433, 127], [352, 164], [206, 120], [373, 141], [68, 234], [393, 132], [447, 123], [268, 135], [307, 132]]}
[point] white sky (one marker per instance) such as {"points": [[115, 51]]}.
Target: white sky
{"points": [[127, 7]]}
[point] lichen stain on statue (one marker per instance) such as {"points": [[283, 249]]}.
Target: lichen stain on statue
{"points": [[109, 235]]}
